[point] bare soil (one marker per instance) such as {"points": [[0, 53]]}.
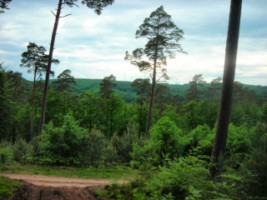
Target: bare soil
{"points": [[38, 187]]}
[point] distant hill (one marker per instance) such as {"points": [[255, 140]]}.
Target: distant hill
{"points": [[125, 90]]}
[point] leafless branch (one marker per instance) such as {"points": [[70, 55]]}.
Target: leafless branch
{"points": [[65, 16], [53, 13]]}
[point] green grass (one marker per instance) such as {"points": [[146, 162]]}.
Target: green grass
{"points": [[7, 187], [114, 172]]}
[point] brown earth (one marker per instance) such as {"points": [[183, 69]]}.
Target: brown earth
{"points": [[38, 187]]}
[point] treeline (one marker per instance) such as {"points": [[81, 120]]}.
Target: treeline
{"points": [[100, 128], [127, 92]]}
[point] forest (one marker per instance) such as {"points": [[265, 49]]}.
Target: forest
{"points": [[165, 132], [98, 127]]}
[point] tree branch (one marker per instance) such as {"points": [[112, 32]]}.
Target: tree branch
{"points": [[65, 16]]}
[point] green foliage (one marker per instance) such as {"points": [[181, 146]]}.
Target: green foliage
{"points": [[6, 153], [94, 148], [7, 187], [199, 141], [128, 93], [106, 86], [7, 111], [187, 178], [22, 151], [112, 116], [87, 110], [64, 81], [62, 145], [183, 179], [238, 145], [124, 144], [174, 161], [194, 91], [257, 162], [130, 191], [165, 144], [115, 173]]}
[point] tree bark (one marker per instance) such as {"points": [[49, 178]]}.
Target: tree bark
{"points": [[153, 89], [51, 50], [227, 89], [33, 105]]}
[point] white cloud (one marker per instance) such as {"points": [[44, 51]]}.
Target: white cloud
{"points": [[93, 46]]}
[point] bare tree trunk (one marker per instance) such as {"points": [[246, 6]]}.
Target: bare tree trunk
{"points": [[33, 104], [227, 89], [149, 118], [52, 44]]}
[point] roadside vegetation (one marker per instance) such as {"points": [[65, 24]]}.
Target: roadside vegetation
{"points": [[7, 187]]}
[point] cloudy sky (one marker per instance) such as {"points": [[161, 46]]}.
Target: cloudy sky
{"points": [[93, 46]]}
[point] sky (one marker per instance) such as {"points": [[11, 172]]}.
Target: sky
{"points": [[93, 46]]}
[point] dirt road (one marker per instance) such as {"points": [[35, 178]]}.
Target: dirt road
{"points": [[57, 188], [56, 181]]}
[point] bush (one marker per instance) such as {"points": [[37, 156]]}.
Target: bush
{"points": [[165, 144], [22, 151], [238, 146], [199, 141], [63, 145], [124, 144], [187, 177], [94, 147], [6, 153], [190, 179]]}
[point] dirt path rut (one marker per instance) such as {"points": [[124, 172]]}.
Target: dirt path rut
{"points": [[57, 188], [56, 181]]}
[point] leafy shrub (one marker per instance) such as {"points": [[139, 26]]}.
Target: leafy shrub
{"points": [[22, 151], [124, 144], [238, 146], [165, 144], [6, 153], [187, 177], [94, 147], [190, 179], [199, 141], [63, 145]]}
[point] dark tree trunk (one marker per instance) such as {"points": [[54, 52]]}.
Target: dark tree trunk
{"points": [[153, 90], [52, 44], [33, 105], [149, 118], [228, 81], [140, 118]]}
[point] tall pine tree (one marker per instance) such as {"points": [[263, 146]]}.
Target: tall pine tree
{"points": [[163, 41]]}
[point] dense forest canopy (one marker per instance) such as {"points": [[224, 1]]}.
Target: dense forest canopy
{"points": [[99, 122]]}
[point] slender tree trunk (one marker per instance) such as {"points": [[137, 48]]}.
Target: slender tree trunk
{"points": [[228, 81], [52, 44], [33, 104], [149, 118], [140, 117]]}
